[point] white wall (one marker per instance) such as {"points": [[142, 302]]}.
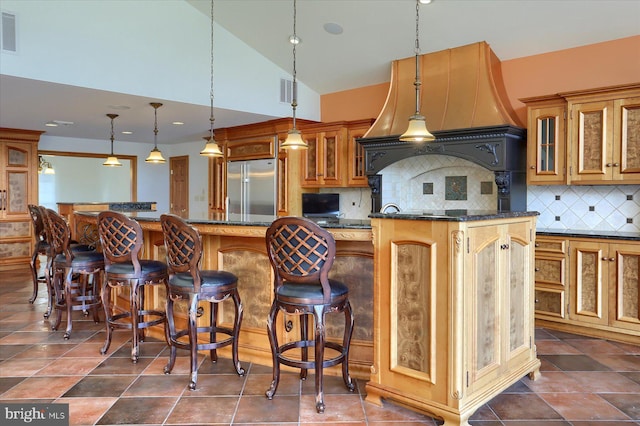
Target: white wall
{"points": [[156, 49]]}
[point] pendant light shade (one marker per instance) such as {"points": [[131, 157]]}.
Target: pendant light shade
{"points": [[155, 156], [417, 130], [294, 139], [112, 160], [211, 149]]}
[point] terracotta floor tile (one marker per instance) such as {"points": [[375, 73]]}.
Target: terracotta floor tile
{"points": [[86, 411], [549, 347], [84, 350], [101, 386], [42, 387], [162, 385], [22, 338], [69, 367], [628, 403], [602, 382], [153, 410], [625, 362], [391, 412], [282, 408], [17, 366], [9, 351], [552, 381], [331, 385], [257, 384], [591, 346], [339, 408], [7, 383], [583, 406], [522, 406], [122, 366], [575, 363], [203, 410]]}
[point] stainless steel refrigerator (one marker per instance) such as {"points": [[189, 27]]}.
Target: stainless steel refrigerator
{"points": [[251, 190]]}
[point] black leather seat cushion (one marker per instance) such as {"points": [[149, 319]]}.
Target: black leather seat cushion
{"points": [[126, 269], [311, 291], [209, 279], [81, 257]]}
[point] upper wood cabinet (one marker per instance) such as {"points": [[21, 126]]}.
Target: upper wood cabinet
{"points": [[598, 143], [546, 140], [334, 159], [18, 189]]}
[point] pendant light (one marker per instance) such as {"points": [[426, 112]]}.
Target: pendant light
{"points": [[155, 156], [211, 149], [417, 130], [294, 139], [112, 160]]}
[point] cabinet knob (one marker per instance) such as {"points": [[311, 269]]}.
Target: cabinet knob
{"points": [[537, 300], [537, 244], [537, 269], [616, 164], [532, 167], [612, 259]]}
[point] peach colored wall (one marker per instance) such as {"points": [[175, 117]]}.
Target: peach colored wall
{"points": [[586, 67]]}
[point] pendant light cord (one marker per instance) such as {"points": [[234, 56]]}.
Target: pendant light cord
{"points": [[211, 118], [417, 83], [294, 100]]}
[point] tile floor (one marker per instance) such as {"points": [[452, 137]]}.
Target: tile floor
{"points": [[584, 381]]}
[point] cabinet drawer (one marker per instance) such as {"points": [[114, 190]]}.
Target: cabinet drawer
{"points": [[549, 302], [549, 270], [551, 245]]}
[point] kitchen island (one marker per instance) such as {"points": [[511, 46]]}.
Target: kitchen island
{"points": [[443, 301], [453, 309]]}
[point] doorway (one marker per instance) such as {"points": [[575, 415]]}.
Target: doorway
{"points": [[179, 186]]}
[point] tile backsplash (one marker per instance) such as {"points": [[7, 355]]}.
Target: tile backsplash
{"points": [[588, 208], [421, 183]]}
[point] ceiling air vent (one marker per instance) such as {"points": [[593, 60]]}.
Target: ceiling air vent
{"points": [[286, 90], [8, 32]]}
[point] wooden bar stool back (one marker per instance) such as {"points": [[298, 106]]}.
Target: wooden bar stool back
{"points": [[188, 282], [40, 247], [76, 275], [301, 255], [122, 243]]}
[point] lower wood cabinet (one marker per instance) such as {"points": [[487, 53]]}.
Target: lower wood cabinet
{"points": [[453, 309], [599, 293]]}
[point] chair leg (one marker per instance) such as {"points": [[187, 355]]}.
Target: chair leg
{"points": [[58, 297], [135, 309], [346, 344], [275, 355], [304, 336], [169, 334], [237, 303], [318, 314], [106, 305], [48, 278], [213, 324], [193, 339], [34, 274], [68, 300]]}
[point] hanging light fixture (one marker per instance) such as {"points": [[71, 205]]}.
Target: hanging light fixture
{"points": [[417, 130], [112, 160], [45, 167], [211, 149], [155, 156], [294, 139]]}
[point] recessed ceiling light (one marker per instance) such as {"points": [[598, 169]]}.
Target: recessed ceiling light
{"points": [[64, 123], [425, 1], [294, 39], [119, 107], [126, 132], [177, 123], [51, 124], [333, 28]]}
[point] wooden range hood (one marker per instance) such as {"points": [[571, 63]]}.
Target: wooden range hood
{"points": [[466, 108]]}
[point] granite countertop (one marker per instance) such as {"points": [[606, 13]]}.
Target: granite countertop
{"points": [[572, 233], [251, 220], [453, 215]]}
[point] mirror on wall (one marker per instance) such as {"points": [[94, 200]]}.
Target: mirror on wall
{"points": [[69, 177]]}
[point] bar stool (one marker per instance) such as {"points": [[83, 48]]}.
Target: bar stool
{"points": [[301, 255], [122, 243], [77, 275], [188, 282], [40, 247]]}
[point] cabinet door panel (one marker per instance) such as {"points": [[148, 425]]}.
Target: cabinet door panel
{"points": [[546, 153], [589, 303], [626, 154], [625, 274]]}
